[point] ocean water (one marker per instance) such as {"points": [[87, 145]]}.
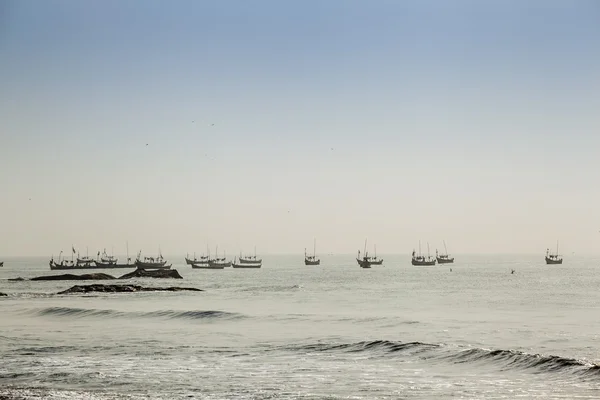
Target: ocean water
{"points": [[290, 331]]}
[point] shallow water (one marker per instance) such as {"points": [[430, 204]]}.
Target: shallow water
{"points": [[293, 331]]}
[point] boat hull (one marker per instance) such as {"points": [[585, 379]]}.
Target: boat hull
{"points": [[312, 262], [110, 265], [423, 263], [152, 265], [552, 261], [220, 264], [364, 263], [445, 260], [249, 261], [247, 265], [195, 261], [207, 266], [100, 265]]}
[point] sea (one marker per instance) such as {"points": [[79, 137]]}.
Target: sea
{"points": [[470, 330]]}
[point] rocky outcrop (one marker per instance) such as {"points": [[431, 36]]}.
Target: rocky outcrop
{"points": [[138, 273], [19, 279], [153, 273], [3, 294], [71, 277], [99, 288]]}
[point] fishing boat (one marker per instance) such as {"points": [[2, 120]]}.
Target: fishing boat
{"points": [[84, 261], [312, 260], [151, 262], [62, 264], [420, 259], [194, 261], [374, 260], [219, 261], [553, 258], [443, 258], [365, 261], [238, 264], [105, 261], [249, 259]]}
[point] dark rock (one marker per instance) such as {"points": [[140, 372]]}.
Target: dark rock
{"points": [[153, 273], [71, 277], [3, 294], [19, 279], [99, 288]]}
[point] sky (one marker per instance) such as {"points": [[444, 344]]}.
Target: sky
{"points": [[186, 124]]}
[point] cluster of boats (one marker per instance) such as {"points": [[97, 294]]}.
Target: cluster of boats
{"points": [[366, 261], [206, 262], [106, 261]]}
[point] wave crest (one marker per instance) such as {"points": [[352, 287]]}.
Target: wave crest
{"points": [[168, 314]]}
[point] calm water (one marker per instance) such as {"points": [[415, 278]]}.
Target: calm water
{"points": [[291, 331]]}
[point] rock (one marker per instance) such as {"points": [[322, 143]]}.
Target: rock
{"points": [[19, 279], [153, 273], [71, 277], [3, 294], [99, 288]]}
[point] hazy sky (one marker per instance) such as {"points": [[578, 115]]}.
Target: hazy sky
{"points": [[474, 122]]}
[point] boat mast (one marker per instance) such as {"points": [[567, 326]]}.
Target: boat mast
{"points": [[315, 248], [557, 248], [445, 249], [365, 255], [428, 255], [127, 247], [419, 248]]}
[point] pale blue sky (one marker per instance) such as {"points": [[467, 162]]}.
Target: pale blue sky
{"points": [[474, 122]]}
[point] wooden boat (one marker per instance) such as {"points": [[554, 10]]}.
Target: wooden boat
{"points": [[374, 260], [249, 259], [443, 258], [219, 261], [151, 262], [363, 262], [419, 259], [62, 264], [201, 260], [109, 262], [246, 264], [553, 258], [366, 261], [312, 260]]}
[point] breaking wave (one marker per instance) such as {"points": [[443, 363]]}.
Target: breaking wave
{"points": [[167, 314], [504, 360]]}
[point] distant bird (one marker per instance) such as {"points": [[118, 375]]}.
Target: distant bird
{"points": [[193, 122], [146, 144], [212, 124]]}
